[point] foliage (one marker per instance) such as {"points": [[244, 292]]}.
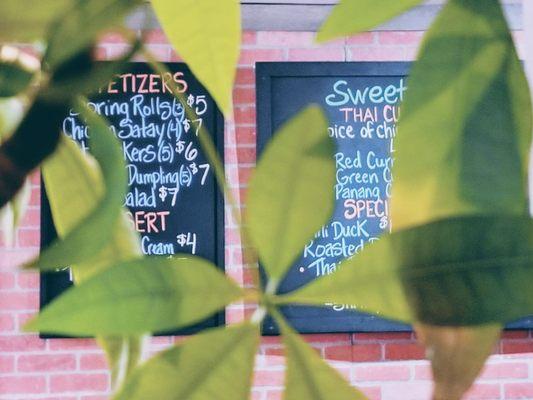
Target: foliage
{"points": [[208, 37], [462, 237]]}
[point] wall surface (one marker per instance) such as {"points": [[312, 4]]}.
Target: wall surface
{"points": [[386, 366]]}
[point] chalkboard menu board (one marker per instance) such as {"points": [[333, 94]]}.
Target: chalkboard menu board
{"points": [[361, 101], [173, 200]]}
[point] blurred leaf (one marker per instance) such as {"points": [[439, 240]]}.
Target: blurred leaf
{"points": [[354, 16], [11, 112], [291, 191], [216, 364], [454, 272], [24, 20], [80, 26], [457, 356], [308, 375], [145, 295], [87, 76], [90, 235], [11, 214], [207, 35], [465, 128], [17, 70], [126, 354]]}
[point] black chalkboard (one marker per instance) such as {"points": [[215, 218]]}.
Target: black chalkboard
{"points": [[173, 199], [361, 101]]}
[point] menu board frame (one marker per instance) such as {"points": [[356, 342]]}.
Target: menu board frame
{"points": [[54, 283], [266, 72]]}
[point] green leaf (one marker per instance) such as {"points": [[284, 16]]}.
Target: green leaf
{"points": [[24, 20], [74, 185], [291, 191], [145, 295], [453, 272], [207, 35], [354, 16], [67, 37], [457, 355], [308, 375], [94, 231], [465, 128], [217, 364], [124, 353]]}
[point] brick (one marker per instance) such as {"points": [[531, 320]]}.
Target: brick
{"points": [[73, 344], [7, 280], [21, 343], [161, 52], [519, 390], [19, 300], [377, 336], [245, 135], [407, 391], [401, 351], [28, 237], [423, 372], [376, 53], [519, 334], [246, 155], [362, 38], [251, 56], [483, 392], [516, 346], [269, 378], [400, 38], [285, 39], [78, 382], [366, 352], [371, 352], [369, 373], [46, 362], [156, 36], [7, 363], [372, 392], [28, 280], [23, 318], [339, 338], [11, 259], [22, 384], [245, 76], [7, 322], [244, 114], [35, 196], [31, 218], [243, 95], [513, 370], [113, 38], [249, 37], [274, 395], [321, 54], [93, 362], [274, 351]]}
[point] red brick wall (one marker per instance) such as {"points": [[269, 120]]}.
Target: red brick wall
{"points": [[387, 366]]}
